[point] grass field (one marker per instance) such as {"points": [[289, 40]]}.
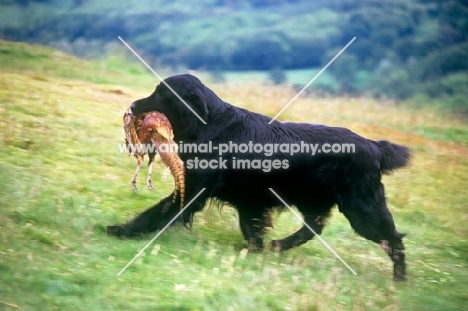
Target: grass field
{"points": [[62, 180]]}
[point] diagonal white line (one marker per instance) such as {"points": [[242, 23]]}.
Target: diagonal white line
{"points": [[160, 232], [160, 78], [313, 79], [318, 236]]}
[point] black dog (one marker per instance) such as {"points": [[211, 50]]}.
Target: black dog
{"points": [[313, 183]]}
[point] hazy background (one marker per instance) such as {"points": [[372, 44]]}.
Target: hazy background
{"points": [[404, 49]]}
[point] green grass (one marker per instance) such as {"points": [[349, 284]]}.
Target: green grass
{"points": [[62, 180]]}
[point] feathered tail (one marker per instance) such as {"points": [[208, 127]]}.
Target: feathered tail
{"points": [[392, 156]]}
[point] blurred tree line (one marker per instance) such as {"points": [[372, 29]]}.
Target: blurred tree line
{"points": [[403, 48]]}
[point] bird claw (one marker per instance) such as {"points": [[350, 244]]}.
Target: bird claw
{"points": [[134, 187], [149, 184]]}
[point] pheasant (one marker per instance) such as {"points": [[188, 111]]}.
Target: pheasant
{"points": [[151, 132]]}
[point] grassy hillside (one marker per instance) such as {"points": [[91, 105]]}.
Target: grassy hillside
{"points": [[62, 180]]}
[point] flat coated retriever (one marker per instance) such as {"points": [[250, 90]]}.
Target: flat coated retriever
{"points": [[243, 178]]}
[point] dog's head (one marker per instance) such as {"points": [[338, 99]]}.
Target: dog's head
{"points": [[167, 99]]}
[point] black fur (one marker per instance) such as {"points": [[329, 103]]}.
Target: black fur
{"points": [[314, 184]]}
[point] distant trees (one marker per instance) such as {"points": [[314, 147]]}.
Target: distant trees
{"points": [[406, 46], [277, 75]]}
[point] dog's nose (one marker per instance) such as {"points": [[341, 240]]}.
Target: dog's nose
{"points": [[133, 105]]}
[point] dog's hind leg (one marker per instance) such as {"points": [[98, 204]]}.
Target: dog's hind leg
{"points": [[254, 224], [370, 217], [304, 234], [396, 250]]}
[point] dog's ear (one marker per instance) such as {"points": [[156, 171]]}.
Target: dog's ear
{"points": [[199, 103], [197, 100]]}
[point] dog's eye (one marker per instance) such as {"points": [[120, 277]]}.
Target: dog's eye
{"points": [[163, 94]]}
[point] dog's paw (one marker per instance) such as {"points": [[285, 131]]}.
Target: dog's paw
{"points": [[399, 271], [116, 230], [275, 245]]}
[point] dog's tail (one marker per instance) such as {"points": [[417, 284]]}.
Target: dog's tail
{"points": [[392, 156]]}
